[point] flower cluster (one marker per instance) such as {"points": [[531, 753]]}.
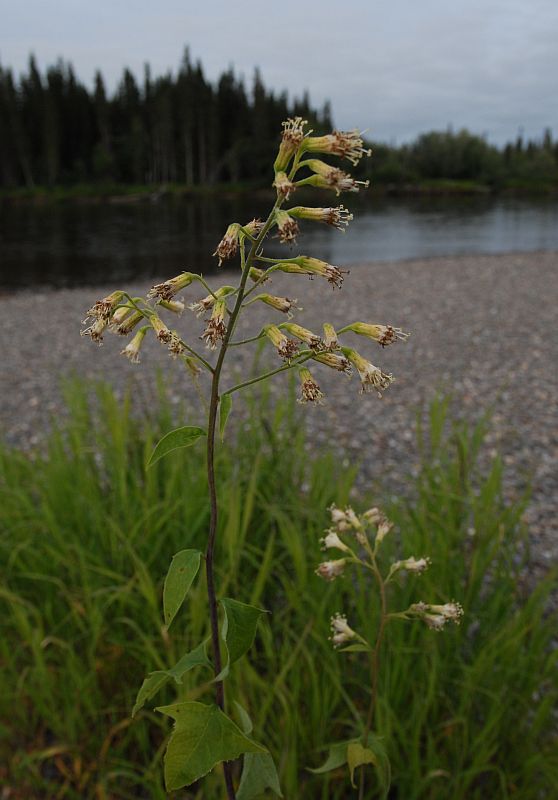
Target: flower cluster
{"points": [[359, 538], [298, 163]]}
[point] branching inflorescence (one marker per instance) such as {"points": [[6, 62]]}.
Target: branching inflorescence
{"points": [[296, 348]]}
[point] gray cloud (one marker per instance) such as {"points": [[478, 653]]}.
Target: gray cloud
{"points": [[396, 68]]}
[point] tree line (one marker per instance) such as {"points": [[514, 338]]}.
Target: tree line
{"points": [[182, 128]]}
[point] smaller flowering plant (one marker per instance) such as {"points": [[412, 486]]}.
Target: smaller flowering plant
{"points": [[359, 538]]}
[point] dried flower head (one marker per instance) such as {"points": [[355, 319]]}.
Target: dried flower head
{"points": [[340, 630], [203, 305], [336, 217], [103, 309], [284, 186], [329, 570], [164, 335], [96, 330], [293, 135], [228, 246], [383, 334], [328, 177], [132, 349], [287, 227], [129, 323], [311, 339], [334, 361], [215, 329], [168, 289], [331, 342], [310, 390], [253, 227], [305, 265], [343, 144], [372, 378], [176, 345], [283, 304], [286, 348]]}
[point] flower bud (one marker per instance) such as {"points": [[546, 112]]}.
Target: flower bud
{"points": [[257, 275], [310, 391], [228, 246], [410, 565], [340, 630], [119, 316], [329, 570], [176, 306], [293, 135], [168, 289], [384, 527], [383, 334], [372, 378], [331, 341], [132, 349]]}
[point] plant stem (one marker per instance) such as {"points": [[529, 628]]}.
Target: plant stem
{"points": [[374, 662], [213, 503]]}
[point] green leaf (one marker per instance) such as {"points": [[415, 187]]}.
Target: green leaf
{"points": [[182, 571], [336, 757], [245, 721], [238, 630], [373, 754], [225, 406], [150, 687], [202, 737], [156, 680], [258, 774], [180, 437]]}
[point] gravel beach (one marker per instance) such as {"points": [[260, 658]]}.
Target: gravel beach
{"points": [[483, 329]]}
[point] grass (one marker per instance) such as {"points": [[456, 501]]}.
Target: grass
{"points": [[86, 536]]}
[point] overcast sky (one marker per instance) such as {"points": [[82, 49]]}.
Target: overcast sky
{"points": [[395, 68]]}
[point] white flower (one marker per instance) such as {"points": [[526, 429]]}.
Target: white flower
{"points": [[340, 630], [329, 570], [331, 540]]}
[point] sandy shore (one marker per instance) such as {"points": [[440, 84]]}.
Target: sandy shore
{"points": [[483, 329]]}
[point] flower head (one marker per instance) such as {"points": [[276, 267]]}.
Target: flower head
{"points": [[96, 330], [329, 570], [310, 391], [168, 289], [383, 334], [293, 134], [129, 323], [176, 306], [164, 335], [283, 304], [305, 265], [176, 345], [436, 616], [336, 217], [334, 361], [331, 342], [332, 541], [311, 339], [287, 227], [286, 348], [203, 305], [344, 144], [257, 275], [103, 309], [253, 227], [340, 630], [412, 564], [132, 349], [284, 186], [228, 246], [372, 378], [215, 329], [328, 177]]}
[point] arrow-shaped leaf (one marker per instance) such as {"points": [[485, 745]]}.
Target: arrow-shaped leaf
{"points": [[180, 437], [202, 738], [238, 630]]}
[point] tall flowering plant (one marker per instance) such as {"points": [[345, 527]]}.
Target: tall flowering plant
{"points": [[204, 734]]}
